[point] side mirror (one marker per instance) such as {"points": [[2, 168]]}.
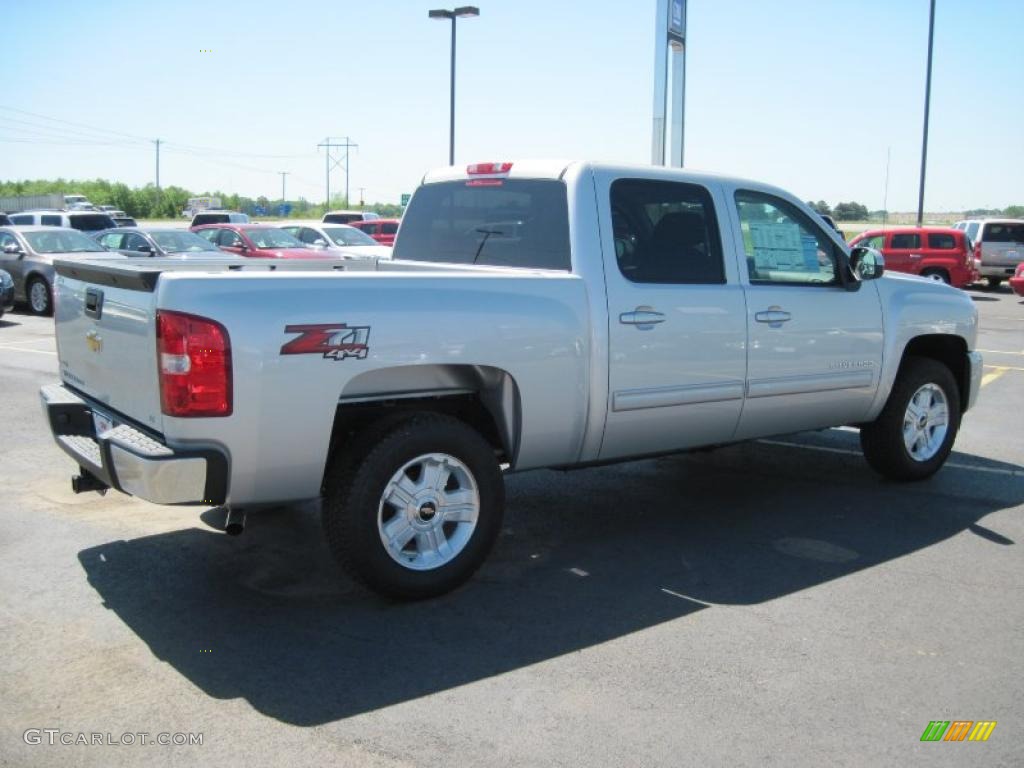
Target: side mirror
{"points": [[866, 263], [320, 243], [144, 249], [12, 248]]}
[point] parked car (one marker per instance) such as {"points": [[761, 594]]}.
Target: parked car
{"points": [[125, 221], [108, 209], [940, 252], [133, 241], [258, 241], [27, 253], [1017, 281], [344, 239], [84, 220], [4, 221], [562, 314], [347, 217], [381, 230], [998, 246], [219, 217], [6, 292]]}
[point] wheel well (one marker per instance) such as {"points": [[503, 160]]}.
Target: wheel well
{"points": [[936, 271], [951, 351]]}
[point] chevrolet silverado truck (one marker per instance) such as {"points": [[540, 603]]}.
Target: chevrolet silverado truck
{"points": [[535, 314]]}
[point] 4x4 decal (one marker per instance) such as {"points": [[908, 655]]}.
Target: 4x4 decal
{"points": [[335, 341]]}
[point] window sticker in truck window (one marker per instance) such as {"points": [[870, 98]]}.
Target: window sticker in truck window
{"points": [[335, 341]]}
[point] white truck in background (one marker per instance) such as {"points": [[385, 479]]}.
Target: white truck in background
{"points": [[535, 314], [54, 201]]}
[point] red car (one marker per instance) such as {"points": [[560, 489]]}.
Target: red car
{"points": [[381, 230], [1017, 281], [940, 252], [258, 241]]}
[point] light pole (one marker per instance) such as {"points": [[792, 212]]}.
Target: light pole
{"points": [[464, 11], [927, 104]]}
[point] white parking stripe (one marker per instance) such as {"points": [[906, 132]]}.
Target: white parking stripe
{"points": [[848, 452], [27, 349]]}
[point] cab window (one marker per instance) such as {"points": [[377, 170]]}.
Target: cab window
{"points": [[782, 244], [665, 232]]}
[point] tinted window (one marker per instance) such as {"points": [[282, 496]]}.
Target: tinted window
{"points": [[308, 235], [503, 222], [50, 221], [133, 242], [210, 218], [782, 244], [972, 230], [342, 218], [906, 240], [21, 218], [1003, 233], [91, 222], [389, 228], [665, 232], [229, 238], [940, 240]]}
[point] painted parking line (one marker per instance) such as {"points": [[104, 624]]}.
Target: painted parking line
{"points": [[997, 372], [848, 452], [27, 349], [998, 352]]}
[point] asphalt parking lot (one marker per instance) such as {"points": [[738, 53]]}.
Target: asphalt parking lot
{"points": [[774, 603]]}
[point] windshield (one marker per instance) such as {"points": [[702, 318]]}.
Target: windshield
{"points": [[348, 236], [273, 238], [503, 222], [181, 242], [62, 242]]}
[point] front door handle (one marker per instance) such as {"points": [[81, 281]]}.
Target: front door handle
{"points": [[644, 318], [774, 316]]}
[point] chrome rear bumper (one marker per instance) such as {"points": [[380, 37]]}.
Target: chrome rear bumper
{"points": [[131, 461]]}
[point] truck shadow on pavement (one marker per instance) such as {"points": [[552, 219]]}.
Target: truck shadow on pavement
{"points": [[585, 557]]}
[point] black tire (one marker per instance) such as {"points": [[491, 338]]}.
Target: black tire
{"points": [[942, 274], [358, 479], [994, 282], [882, 441], [42, 302]]}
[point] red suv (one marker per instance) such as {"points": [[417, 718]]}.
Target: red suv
{"points": [[927, 251], [259, 241], [381, 230]]}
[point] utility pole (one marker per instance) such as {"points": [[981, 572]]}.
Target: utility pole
{"points": [[361, 191], [927, 104], [157, 142], [284, 199], [331, 162]]}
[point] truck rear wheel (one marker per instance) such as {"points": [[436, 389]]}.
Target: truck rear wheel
{"points": [[914, 433], [412, 511], [994, 282]]}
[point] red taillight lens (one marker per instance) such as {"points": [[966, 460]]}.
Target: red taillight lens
{"points": [[478, 169], [194, 364]]}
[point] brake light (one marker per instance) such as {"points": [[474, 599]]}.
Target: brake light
{"points": [[194, 365], [484, 169]]}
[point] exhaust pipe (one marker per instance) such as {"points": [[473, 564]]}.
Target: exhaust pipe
{"points": [[234, 524]]}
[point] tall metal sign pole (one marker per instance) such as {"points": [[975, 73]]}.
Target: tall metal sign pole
{"points": [[927, 104], [669, 40]]}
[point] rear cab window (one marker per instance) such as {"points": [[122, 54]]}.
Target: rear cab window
{"points": [[499, 222], [1003, 233]]}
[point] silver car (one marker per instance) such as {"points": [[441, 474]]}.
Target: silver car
{"points": [[27, 253], [998, 246], [339, 239], [133, 241]]}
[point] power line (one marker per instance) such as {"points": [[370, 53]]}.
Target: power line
{"points": [[70, 122], [327, 143]]}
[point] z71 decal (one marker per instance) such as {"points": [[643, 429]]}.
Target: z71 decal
{"points": [[335, 341]]}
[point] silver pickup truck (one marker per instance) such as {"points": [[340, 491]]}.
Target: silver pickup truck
{"points": [[535, 314]]}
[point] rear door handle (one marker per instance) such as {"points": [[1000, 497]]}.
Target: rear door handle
{"points": [[644, 318], [774, 316]]}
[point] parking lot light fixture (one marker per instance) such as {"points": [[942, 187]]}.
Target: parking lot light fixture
{"points": [[462, 12]]}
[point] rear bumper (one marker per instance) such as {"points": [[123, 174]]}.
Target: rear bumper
{"points": [[1002, 270], [129, 460]]}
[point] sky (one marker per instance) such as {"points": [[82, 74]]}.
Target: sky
{"points": [[810, 96]]}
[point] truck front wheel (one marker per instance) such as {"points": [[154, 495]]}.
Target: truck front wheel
{"points": [[412, 511], [914, 433]]}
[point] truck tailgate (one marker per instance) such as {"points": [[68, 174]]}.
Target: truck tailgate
{"points": [[106, 339]]}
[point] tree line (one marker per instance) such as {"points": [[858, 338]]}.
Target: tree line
{"points": [[858, 212], [168, 202]]}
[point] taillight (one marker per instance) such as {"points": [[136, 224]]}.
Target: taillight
{"points": [[194, 361], [486, 169]]}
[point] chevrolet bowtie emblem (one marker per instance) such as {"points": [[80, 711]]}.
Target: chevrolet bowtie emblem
{"points": [[94, 340]]}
